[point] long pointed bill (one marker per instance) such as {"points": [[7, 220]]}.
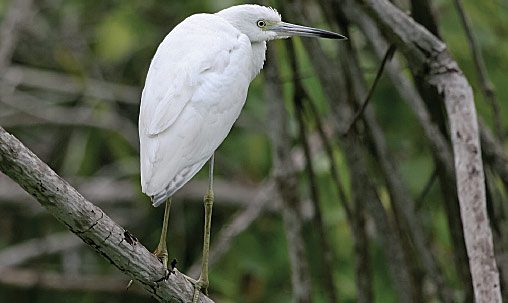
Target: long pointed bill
{"points": [[284, 29]]}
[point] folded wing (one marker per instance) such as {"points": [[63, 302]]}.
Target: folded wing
{"points": [[185, 71]]}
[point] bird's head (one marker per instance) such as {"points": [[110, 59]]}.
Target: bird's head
{"points": [[261, 23]]}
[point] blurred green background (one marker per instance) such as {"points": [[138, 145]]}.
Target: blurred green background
{"points": [[70, 92]]}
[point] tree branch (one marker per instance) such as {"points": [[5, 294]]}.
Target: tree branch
{"points": [[69, 84], [403, 204], [494, 153], [90, 223], [428, 56], [26, 278], [287, 183], [363, 189], [483, 76], [387, 57], [20, 253], [427, 110], [18, 13], [325, 251]]}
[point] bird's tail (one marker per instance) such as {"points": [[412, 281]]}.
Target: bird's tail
{"points": [[158, 199]]}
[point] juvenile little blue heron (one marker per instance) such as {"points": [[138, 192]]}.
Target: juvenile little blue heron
{"points": [[195, 89]]}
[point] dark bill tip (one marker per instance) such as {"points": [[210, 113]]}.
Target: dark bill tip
{"points": [[331, 35], [288, 29]]}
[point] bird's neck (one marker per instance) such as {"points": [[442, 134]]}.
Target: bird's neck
{"points": [[258, 57]]}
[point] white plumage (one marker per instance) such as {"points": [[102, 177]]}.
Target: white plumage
{"points": [[196, 87]]}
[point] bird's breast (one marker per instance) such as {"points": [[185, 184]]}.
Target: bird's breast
{"points": [[258, 57]]}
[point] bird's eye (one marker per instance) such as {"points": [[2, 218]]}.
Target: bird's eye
{"points": [[261, 23]]}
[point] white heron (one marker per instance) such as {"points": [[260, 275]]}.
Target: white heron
{"points": [[195, 89]]}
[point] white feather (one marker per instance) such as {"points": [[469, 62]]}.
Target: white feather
{"points": [[191, 100], [196, 87]]}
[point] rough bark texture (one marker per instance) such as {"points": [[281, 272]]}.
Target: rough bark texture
{"points": [[90, 223], [429, 57], [422, 12]]}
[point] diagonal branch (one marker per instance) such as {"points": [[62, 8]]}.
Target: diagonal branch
{"points": [[388, 55], [90, 223], [479, 63], [429, 57]]}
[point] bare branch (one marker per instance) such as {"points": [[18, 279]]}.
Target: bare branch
{"points": [[387, 57], [441, 149], [325, 251], [482, 74], [329, 151], [29, 279], [20, 253], [494, 153], [440, 146], [287, 183], [90, 223], [68, 84], [365, 194], [108, 191], [36, 114], [363, 188], [426, 189], [428, 55], [18, 12]]}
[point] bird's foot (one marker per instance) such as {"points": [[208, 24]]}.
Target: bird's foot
{"points": [[162, 255], [201, 285]]}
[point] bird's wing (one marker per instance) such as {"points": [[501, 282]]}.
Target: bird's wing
{"points": [[175, 72], [193, 67]]}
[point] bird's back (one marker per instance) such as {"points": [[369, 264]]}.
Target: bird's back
{"points": [[194, 91]]}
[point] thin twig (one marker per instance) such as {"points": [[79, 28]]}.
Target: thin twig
{"points": [[286, 180], [311, 108], [482, 74], [326, 251], [424, 52], [402, 202], [389, 54], [426, 189]]}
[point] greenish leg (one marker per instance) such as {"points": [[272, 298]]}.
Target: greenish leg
{"points": [[202, 282], [161, 251]]}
